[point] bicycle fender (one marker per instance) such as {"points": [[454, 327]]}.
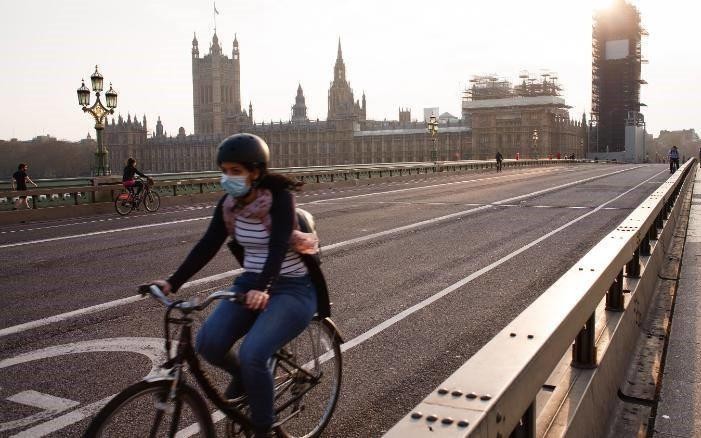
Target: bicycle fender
{"points": [[332, 325]]}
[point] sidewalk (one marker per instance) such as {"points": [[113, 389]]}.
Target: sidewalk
{"points": [[679, 408]]}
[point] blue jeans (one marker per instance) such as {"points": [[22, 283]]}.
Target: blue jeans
{"points": [[291, 306]]}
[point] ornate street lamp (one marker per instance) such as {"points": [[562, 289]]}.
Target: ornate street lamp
{"points": [[99, 113], [535, 143], [432, 127]]}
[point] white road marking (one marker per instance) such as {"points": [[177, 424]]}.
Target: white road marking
{"points": [[136, 227], [108, 219], [97, 233], [49, 405], [152, 348], [218, 415], [104, 306], [110, 304], [65, 420], [42, 401]]}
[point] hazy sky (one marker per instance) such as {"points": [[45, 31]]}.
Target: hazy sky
{"points": [[400, 52]]}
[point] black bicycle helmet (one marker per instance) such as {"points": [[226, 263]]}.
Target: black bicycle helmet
{"points": [[243, 148]]}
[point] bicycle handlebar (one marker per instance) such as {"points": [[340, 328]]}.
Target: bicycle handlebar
{"points": [[189, 306]]}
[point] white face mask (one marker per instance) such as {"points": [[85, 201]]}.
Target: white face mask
{"points": [[235, 185]]}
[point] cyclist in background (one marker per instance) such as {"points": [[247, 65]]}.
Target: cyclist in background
{"points": [[128, 179], [282, 280], [673, 159]]}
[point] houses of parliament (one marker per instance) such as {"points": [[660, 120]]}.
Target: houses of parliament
{"points": [[347, 136]]}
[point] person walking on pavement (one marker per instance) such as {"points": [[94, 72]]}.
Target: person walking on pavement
{"points": [[19, 182], [499, 159], [673, 159]]}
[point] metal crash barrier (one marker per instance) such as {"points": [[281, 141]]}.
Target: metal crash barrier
{"points": [[493, 394]]}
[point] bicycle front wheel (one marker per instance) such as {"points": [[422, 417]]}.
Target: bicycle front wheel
{"points": [[308, 381], [146, 409], [152, 201], [123, 204]]}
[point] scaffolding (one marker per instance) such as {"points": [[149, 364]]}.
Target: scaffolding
{"points": [[545, 84], [616, 71], [494, 87], [488, 87]]}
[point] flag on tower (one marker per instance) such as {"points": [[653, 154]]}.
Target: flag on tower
{"points": [[215, 8]]}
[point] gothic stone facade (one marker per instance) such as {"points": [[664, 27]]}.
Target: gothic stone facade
{"points": [[347, 136], [508, 124]]}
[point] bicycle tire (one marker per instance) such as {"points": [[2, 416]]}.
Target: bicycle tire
{"points": [[152, 201], [123, 206], [318, 351], [122, 418]]}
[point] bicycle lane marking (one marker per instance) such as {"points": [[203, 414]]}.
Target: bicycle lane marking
{"points": [[122, 301], [137, 227], [152, 348], [219, 415]]}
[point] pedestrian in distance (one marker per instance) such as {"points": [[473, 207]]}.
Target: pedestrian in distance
{"points": [[282, 280], [19, 183], [673, 159], [499, 157]]}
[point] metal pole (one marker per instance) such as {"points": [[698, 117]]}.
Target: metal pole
{"points": [[633, 266], [645, 245], [526, 427], [614, 296], [584, 348]]}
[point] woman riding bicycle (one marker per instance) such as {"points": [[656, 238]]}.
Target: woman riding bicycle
{"points": [[282, 280], [128, 179]]}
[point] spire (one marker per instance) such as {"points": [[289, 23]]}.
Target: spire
{"points": [[215, 48], [340, 68], [195, 48], [299, 89], [235, 51]]}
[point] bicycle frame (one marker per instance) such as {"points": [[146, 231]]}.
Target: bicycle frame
{"points": [[185, 353]]}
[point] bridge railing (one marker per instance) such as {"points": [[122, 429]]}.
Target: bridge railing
{"points": [[493, 394], [79, 191]]}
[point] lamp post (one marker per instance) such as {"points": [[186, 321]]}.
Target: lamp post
{"points": [[432, 127], [535, 143], [99, 113]]}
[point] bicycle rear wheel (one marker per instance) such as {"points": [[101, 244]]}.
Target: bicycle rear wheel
{"points": [[146, 410], [123, 204], [152, 201], [308, 381]]}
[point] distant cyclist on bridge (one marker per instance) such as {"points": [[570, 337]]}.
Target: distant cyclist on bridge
{"points": [[130, 171], [282, 280], [673, 159]]}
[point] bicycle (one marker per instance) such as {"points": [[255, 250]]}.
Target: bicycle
{"points": [[306, 372], [128, 201]]}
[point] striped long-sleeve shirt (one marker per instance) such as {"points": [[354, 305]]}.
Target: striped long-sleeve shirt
{"points": [[252, 235]]}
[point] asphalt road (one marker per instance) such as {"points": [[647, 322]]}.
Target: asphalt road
{"points": [[388, 247]]}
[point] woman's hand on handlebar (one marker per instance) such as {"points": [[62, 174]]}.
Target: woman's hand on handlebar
{"points": [[256, 300], [164, 285]]}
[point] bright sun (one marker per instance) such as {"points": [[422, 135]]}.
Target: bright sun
{"points": [[601, 4]]}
